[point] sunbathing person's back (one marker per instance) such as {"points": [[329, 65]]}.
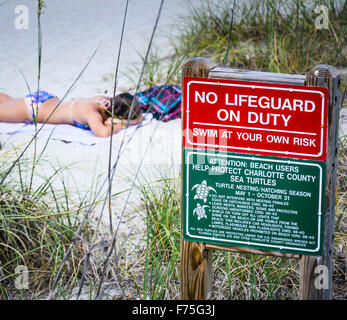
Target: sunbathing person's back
{"points": [[86, 113]]}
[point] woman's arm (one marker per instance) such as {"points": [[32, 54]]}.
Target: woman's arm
{"points": [[101, 129], [124, 121]]}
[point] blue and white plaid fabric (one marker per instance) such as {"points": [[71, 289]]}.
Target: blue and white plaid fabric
{"points": [[164, 102]]}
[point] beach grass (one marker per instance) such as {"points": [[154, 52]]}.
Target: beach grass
{"points": [[161, 272], [340, 239], [272, 36], [34, 235]]}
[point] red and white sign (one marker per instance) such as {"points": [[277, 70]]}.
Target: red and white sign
{"points": [[255, 117]]}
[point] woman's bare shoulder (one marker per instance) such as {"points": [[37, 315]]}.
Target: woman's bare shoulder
{"points": [[86, 102]]}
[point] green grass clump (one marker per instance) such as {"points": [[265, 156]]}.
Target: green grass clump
{"points": [[340, 237], [273, 36], [149, 268], [35, 236], [270, 35], [240, 276], [162, 251]]}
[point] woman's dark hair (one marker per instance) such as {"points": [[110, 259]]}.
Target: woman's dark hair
{"points": [[122, 105]]}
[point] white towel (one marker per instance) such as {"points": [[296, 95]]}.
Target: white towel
{"points": [[65, 132], [10, 128]]}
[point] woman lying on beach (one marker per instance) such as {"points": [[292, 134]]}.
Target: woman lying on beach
{"points": [[86, 113]]}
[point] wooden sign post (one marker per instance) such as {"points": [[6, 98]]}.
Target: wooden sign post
{"points": [[254, 170], [196, 259], [329, 77]]}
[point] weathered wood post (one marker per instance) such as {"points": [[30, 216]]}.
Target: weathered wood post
{"points": [[310, 289], [196, 260]]}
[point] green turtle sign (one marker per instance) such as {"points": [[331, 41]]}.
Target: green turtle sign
{"points": [[260, 202]]}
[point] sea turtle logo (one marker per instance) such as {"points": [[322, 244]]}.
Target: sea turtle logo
{"points": [[202, 190], [200, 211]]}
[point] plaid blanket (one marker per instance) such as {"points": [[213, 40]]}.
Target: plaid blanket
{"points": [[164, 102]]}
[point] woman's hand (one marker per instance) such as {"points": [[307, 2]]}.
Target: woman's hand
{"points": [[108, 122], [137, 120], [103, 128], [123, 122]]}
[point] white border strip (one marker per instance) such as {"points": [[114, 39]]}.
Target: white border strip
{"points": [[262, 129], [319, 214], [249, 148]]}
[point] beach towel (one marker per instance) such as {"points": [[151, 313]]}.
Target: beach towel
{"points": [[65, 132], [164, 102]]}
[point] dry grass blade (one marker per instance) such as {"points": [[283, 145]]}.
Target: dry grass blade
{"points": [[112, 114], [134, 179], [229, 36], [110, 179]]}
